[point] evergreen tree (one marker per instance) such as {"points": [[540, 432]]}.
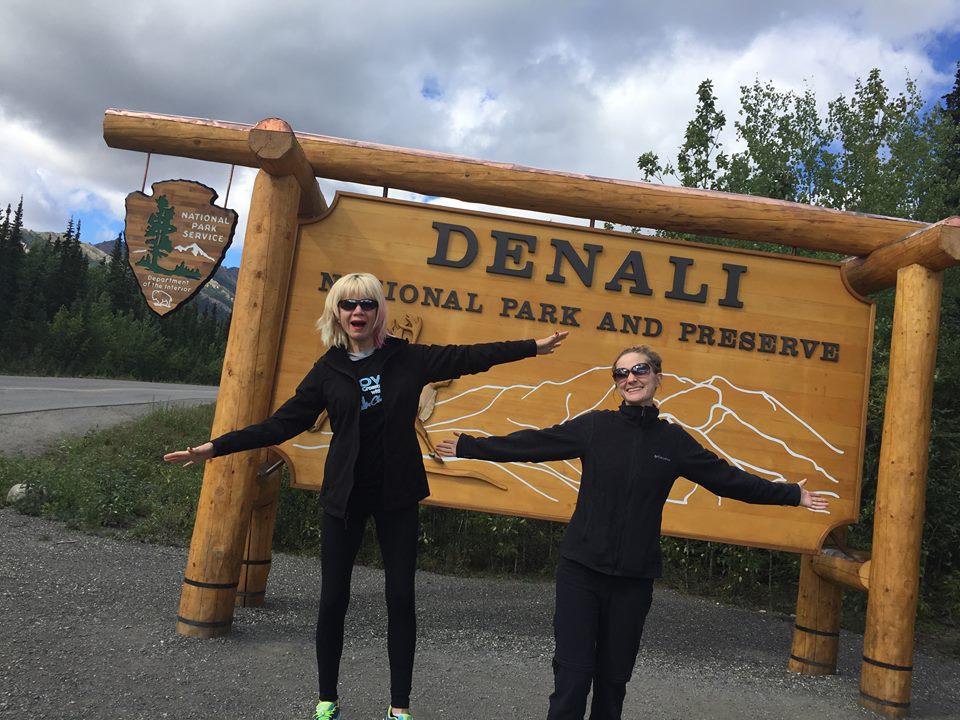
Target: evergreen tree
{"points": [[5, 227], [949, 174], [68, 270], [54, 296], [26, 325], [76, 267], [74, 317], [15, 233], [120, 282], [11, 258]]}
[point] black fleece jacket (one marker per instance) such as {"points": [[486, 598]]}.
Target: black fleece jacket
{"points": [[630, 459], [332, 386]]}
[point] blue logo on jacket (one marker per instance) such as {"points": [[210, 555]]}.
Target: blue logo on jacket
{"points": [[370, 392]]}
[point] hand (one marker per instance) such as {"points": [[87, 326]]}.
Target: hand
{"points": [[448, 447], [190, 455], [548, 344], [811, 501]]}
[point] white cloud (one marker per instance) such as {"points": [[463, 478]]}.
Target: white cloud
{"points": [[583, 86]]}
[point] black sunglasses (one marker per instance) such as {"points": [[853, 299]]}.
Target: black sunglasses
{"points": [[366, 304], [638, 370]]}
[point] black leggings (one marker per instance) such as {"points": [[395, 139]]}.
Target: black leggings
{"points": [[597, 625], [397, 534]]}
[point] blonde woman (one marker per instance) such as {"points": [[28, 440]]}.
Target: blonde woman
{"points": [[369, 383]]}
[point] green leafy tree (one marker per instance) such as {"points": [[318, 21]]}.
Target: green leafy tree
{"points": [[878, 152], [785, 144], [882, 148], [700, 161], [66, 342]]}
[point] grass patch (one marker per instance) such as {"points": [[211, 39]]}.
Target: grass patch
{"points": [[114, 481]]}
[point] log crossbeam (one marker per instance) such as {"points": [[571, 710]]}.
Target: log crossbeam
{"points": [[691, 210], [849, 572], [936, 248]]}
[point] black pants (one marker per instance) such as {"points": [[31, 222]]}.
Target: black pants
{"points": [[597, 626], [397, 533]]}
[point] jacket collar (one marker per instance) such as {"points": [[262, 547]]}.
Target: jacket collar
{"points": [[338, 358], [640, 415]]}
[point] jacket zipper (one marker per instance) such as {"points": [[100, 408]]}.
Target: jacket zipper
{"points": [[633, 478]]}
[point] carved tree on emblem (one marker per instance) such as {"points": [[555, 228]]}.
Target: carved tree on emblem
{"points": [[159, 228]]}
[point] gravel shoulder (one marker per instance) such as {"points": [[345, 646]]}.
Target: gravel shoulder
{"points": [[33, 433], [87, 631]]}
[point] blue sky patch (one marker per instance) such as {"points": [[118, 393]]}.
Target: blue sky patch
{"points": [[944, 51], [431, 89]]}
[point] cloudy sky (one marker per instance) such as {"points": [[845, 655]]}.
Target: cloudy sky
{"points": [[580, 85]]}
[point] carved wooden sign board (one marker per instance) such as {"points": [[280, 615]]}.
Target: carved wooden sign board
{"points": [[176, 239], [766, 358]]}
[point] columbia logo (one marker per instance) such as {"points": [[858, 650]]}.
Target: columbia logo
{"points": [[661, 457]]}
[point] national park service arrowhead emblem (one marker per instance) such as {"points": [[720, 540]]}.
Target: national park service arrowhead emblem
{"points": [[176, 240]]}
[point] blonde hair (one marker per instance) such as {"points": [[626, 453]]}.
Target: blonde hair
{"points": [[357, 286]]}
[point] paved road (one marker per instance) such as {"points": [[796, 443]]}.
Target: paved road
{"points": [[35, 412]]}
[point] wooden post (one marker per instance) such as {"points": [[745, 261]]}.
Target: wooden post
{"points": [[816, 632], [258, 549], [246, 388], [887, 669], [275, 145]]}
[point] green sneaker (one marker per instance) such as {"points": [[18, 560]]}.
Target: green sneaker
{"points": [[327, 711], [396, 716]]}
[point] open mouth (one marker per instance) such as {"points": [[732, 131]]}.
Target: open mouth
{"points": [[358, 324]]}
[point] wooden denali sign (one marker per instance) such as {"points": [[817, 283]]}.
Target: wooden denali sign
{"points": [[176, 239], [766, 358]]}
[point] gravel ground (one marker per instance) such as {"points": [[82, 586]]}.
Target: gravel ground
{"points": [[87, 631]]}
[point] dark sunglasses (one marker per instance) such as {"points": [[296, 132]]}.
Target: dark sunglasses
{"points": [[638, 370], [366, 304]]}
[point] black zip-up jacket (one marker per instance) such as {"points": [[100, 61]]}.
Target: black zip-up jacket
{"points": [[630, 460], [331, 385]]}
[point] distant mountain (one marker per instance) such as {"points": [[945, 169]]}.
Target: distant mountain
{"points": [[93, 253], [219, 292]]}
